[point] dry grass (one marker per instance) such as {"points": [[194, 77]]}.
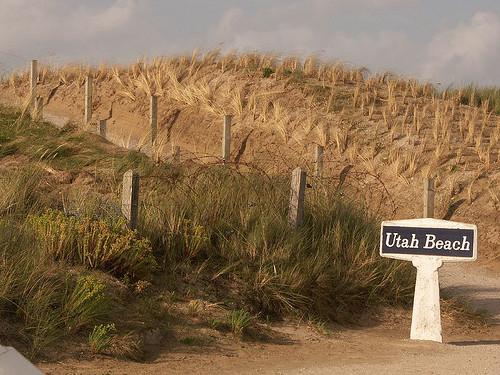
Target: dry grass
{"points": [[260, 90]]}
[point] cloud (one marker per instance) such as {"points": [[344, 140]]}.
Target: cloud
{"points": [[297, 34], [59, 18], [38, 28], [379, 34], [467, 53], [115, 16]]}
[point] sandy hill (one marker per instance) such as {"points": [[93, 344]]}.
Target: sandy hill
{"points": [[382, 134]]}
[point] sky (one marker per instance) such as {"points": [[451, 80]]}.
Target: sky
{"points": [[441, 41]]}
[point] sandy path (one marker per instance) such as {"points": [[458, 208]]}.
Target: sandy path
{"points": [[477, 284], [396, 355], [479, 355], [378, 350]]}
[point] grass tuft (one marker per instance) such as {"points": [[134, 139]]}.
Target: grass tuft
{"points": [[239, 320], [101, 338]]}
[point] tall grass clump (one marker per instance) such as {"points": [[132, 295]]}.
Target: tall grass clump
{"points": [[20, 191], [85, 303], [38, 295], [235, 226]]}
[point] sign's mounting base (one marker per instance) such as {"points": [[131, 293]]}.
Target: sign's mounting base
{"points": [[426, 317]]}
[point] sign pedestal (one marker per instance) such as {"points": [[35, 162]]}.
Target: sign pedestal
{"points": [[426, 317]]}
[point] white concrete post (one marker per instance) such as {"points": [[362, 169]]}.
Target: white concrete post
{"points": [[33, 83], [153, 127], [297, 195], [319, 160], [130, 198], [226, 139], [426, 316], [88, 99]]}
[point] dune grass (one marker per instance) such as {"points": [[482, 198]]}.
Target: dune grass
{"points": [[235, 227], [480, 96], [62, 255]]}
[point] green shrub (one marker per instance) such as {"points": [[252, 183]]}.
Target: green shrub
{"points": [[96, 244], [268, 72], [185, 237], [40, 294], [31, 289]]}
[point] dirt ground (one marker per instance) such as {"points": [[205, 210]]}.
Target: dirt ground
{"points": [[382, 349]]}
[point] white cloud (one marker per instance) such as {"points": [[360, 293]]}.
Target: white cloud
{"points": [[297, 34], [112, 17], [466, 53], [32, 28], [374, 33]]}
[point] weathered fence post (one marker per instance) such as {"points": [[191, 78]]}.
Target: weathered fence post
{"points": [[130, 198], [88, 100], [33, 83], [226, 138], [176, 154], [102, 128], [38, 110], [297, 194], [429, 193], [318, 160], [153, 119]]}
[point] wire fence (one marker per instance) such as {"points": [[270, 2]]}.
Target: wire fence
{"points": [[269, 161]]}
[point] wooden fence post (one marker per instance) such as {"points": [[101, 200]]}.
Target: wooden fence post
{"points": [[226, 139], [153, 119], [319, 161], [88, 100], [176, 154], [429, 193], [38, 110], [130, 198], [33, 83], [102, 128], [297, 194]]}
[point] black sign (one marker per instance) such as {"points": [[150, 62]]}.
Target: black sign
{"points": [[447, 242]]}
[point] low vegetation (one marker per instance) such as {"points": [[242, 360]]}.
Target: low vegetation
{"points": [[235, 227], [239, 320], [96, 244], [488, 97], [70, 269], [101, 337]]}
